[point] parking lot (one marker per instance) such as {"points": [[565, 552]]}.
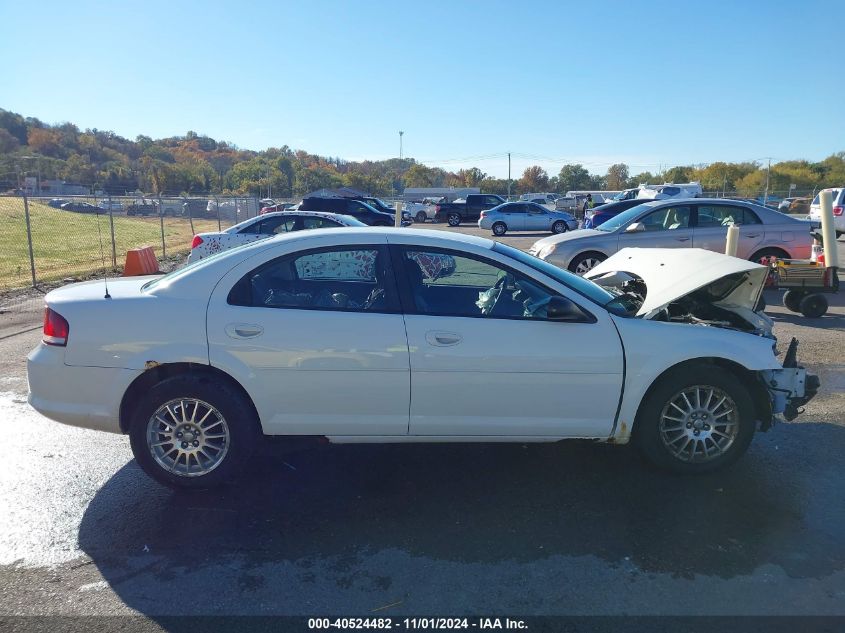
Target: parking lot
{"points": [[570, 528]]}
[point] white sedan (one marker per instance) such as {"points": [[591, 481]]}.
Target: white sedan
{"points": [[264, 226], [378, 335]]}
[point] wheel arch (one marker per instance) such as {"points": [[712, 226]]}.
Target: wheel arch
{"points": [[584, 253], [756, 256], [161, 372], [750, 379]]}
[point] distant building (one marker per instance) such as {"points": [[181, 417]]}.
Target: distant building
{"points": [[417, 194], [62, 188]]}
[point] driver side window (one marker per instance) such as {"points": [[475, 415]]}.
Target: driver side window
{"points": [[445, 284]]}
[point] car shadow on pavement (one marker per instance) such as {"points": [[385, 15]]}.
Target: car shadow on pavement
{"points": [[492, 503]]}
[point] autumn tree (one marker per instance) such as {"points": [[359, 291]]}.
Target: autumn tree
{"points": [[573, 178], [534, 178], [617, 177]]}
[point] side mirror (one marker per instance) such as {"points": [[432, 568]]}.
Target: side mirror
{"points": [[562, 309], [635, 227]]}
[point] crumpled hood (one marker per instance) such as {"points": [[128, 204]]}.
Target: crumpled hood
{"points": [[673, 273]]}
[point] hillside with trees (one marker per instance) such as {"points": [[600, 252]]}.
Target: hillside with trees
{"points": [[196, 164]]}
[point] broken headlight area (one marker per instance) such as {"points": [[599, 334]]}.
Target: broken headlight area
{"points": [[791, 387]]}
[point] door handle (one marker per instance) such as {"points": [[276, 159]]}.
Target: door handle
{"points": [[443, 339], [244, 330], [752, 235], [682, 239]]}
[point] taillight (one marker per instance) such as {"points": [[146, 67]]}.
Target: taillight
{"points": [[196, 241], [483, 213], [55, 328], [437, 208], [837, 210]]}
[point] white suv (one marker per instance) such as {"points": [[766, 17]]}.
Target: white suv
{"points": [[838, 196]]}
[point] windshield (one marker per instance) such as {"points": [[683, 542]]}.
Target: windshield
{"points": [[624, 218], [584, 287]]}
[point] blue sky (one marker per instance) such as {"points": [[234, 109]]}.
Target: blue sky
{"points": [[646, 83]]}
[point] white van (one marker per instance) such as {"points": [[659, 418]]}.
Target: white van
{"points": [[669, 190], [837, 194]]}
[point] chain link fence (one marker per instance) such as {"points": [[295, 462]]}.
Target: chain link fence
{"points": [[45, 242]]}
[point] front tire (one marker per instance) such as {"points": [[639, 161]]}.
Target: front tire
{"points": [[559, 227], [193, 432], [695, 420], [453, 219], [792, 300], [585, 262], [420, 217], [500, 228]]}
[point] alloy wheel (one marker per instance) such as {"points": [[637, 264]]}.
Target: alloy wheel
{"points": [[586, 265], [188, 437], [699, 424]]}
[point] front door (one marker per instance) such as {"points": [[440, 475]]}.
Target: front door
{"points": [[485, 361], [537, 218], [667, 227], [317, 339]]}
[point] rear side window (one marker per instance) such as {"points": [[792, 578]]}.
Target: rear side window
{"points": [[724, 215], [313, 222], [346, 279]]}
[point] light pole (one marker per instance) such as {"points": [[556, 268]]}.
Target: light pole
{"points": [[400, 144]]}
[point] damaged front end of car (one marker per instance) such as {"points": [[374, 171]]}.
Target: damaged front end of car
{"points": [[703, 288], [791, 387]]}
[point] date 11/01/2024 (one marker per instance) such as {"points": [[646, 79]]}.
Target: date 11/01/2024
{"points": [[417, 623]]}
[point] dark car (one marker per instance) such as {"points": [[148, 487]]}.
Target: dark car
{"points": [[348, 206], [380, 205], [454, 213], [604, 212], [57, 203], [80, 207]]}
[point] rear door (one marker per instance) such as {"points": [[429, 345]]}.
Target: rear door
{"points": [[317, 338], [513, 215], [711, 228]]}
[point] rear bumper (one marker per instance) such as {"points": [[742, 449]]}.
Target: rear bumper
{"points": [[87, 397]]}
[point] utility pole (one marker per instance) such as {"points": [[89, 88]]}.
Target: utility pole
{"points": [[766, 192], [400, 144], [509, 175]]}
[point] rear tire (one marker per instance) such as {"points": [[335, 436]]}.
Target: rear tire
{"points": [[696, 419], [500, 228], [177, 450], [813, 306], [768, 252], [453, 219]]}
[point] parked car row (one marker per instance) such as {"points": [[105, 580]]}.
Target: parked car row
{"points": [[697, 222]]}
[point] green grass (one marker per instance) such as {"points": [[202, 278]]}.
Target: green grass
{"points": [[66, 244]]}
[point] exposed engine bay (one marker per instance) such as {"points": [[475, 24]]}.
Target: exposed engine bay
{"points": [[709, 305]]}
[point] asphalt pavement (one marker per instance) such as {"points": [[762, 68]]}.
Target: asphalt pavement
{"points": [[572, 528]]}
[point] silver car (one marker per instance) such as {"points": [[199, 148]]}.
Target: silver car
{"points": [[525, 216], [692, 222]]}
